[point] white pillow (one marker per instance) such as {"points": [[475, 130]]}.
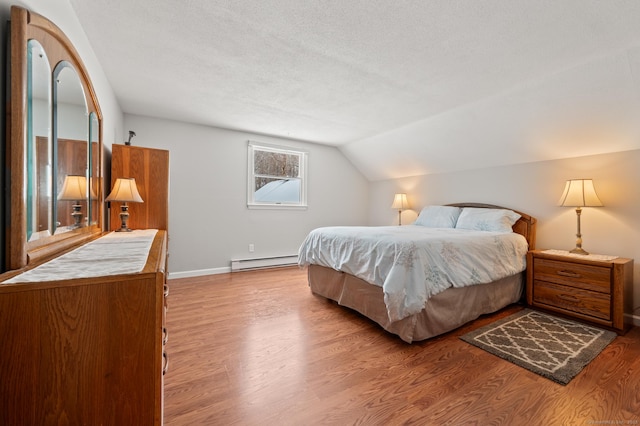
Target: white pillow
{"points": [[438, 216], [495, 220]]}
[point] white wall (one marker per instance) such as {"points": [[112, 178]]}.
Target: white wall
{"points": [[209, 223], [535, 188]]}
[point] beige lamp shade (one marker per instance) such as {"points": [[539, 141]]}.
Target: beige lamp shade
{"points": [[125, 189], [75, 188], [579, 193], [400, 202]]}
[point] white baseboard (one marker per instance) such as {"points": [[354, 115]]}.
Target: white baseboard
{"points": [[635, 319], [239, 265]]}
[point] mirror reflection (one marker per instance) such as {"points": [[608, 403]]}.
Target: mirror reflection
{"points": [[71, 153], [39, 147], [94, 169]]}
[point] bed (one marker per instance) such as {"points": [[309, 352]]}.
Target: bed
{"points": [[458, 252]]}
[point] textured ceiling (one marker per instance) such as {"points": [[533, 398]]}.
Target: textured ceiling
{"points": [[349, 72]]}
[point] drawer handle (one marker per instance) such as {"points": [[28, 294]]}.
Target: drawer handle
{"points": [[165, 335], [165, 363], [569, 274], [569, 298]]}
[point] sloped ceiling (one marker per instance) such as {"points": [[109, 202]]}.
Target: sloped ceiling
{"points": [[401, 87]]}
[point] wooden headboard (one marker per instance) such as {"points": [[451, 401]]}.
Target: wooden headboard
{"points": [[525, 226]]}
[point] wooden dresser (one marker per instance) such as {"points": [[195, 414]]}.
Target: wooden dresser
{"points": [[579, 287], [85, 350]]}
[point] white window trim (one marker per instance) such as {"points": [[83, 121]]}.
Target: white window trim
{"points": [[251, 203]]}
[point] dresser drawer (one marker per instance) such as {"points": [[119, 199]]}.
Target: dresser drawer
{"points": [[587, 277], [591, 303]]}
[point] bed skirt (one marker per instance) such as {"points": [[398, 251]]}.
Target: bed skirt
{"points": [[443, 312]]}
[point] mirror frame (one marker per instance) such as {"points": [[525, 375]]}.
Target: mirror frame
{"points": [[27, 25]]}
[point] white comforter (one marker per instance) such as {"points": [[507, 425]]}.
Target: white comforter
{"points": [[412, 263]]}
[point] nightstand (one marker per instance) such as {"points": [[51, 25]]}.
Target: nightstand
{"points": [[579, 287]]}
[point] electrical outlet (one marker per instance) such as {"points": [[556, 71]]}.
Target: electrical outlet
{"points": [[251, 248]]}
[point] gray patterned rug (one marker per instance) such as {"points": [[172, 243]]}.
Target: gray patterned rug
{"points": [[555, 348]]}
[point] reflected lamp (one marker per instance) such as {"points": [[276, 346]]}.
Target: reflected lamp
{"points": [[400, 203], [579, 193], [74, 189], [125, 191]]}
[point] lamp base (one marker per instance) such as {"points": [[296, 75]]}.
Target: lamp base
{"points": [[124, 218], [579, 250], [77, 216]]}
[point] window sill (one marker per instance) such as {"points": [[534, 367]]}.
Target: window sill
{"points": [[276, 207]]}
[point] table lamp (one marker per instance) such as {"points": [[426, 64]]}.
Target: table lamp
{"points": [[125, 190], [400, 203], [579, 193]]}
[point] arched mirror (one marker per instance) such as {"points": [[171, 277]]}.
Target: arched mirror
{"points": [[55, 147]]}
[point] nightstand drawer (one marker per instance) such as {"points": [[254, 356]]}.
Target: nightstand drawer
{"points": [[594, 304], [587, 277]]}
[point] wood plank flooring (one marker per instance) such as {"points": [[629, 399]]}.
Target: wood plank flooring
{"points": [[257, 348]]}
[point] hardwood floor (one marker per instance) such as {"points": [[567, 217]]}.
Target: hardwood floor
{"points": [[257, 348]]}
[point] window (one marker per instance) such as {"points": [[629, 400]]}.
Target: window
{"points": [[277, 177]]}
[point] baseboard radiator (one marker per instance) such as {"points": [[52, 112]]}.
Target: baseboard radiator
{"points": [[263, 262]]}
